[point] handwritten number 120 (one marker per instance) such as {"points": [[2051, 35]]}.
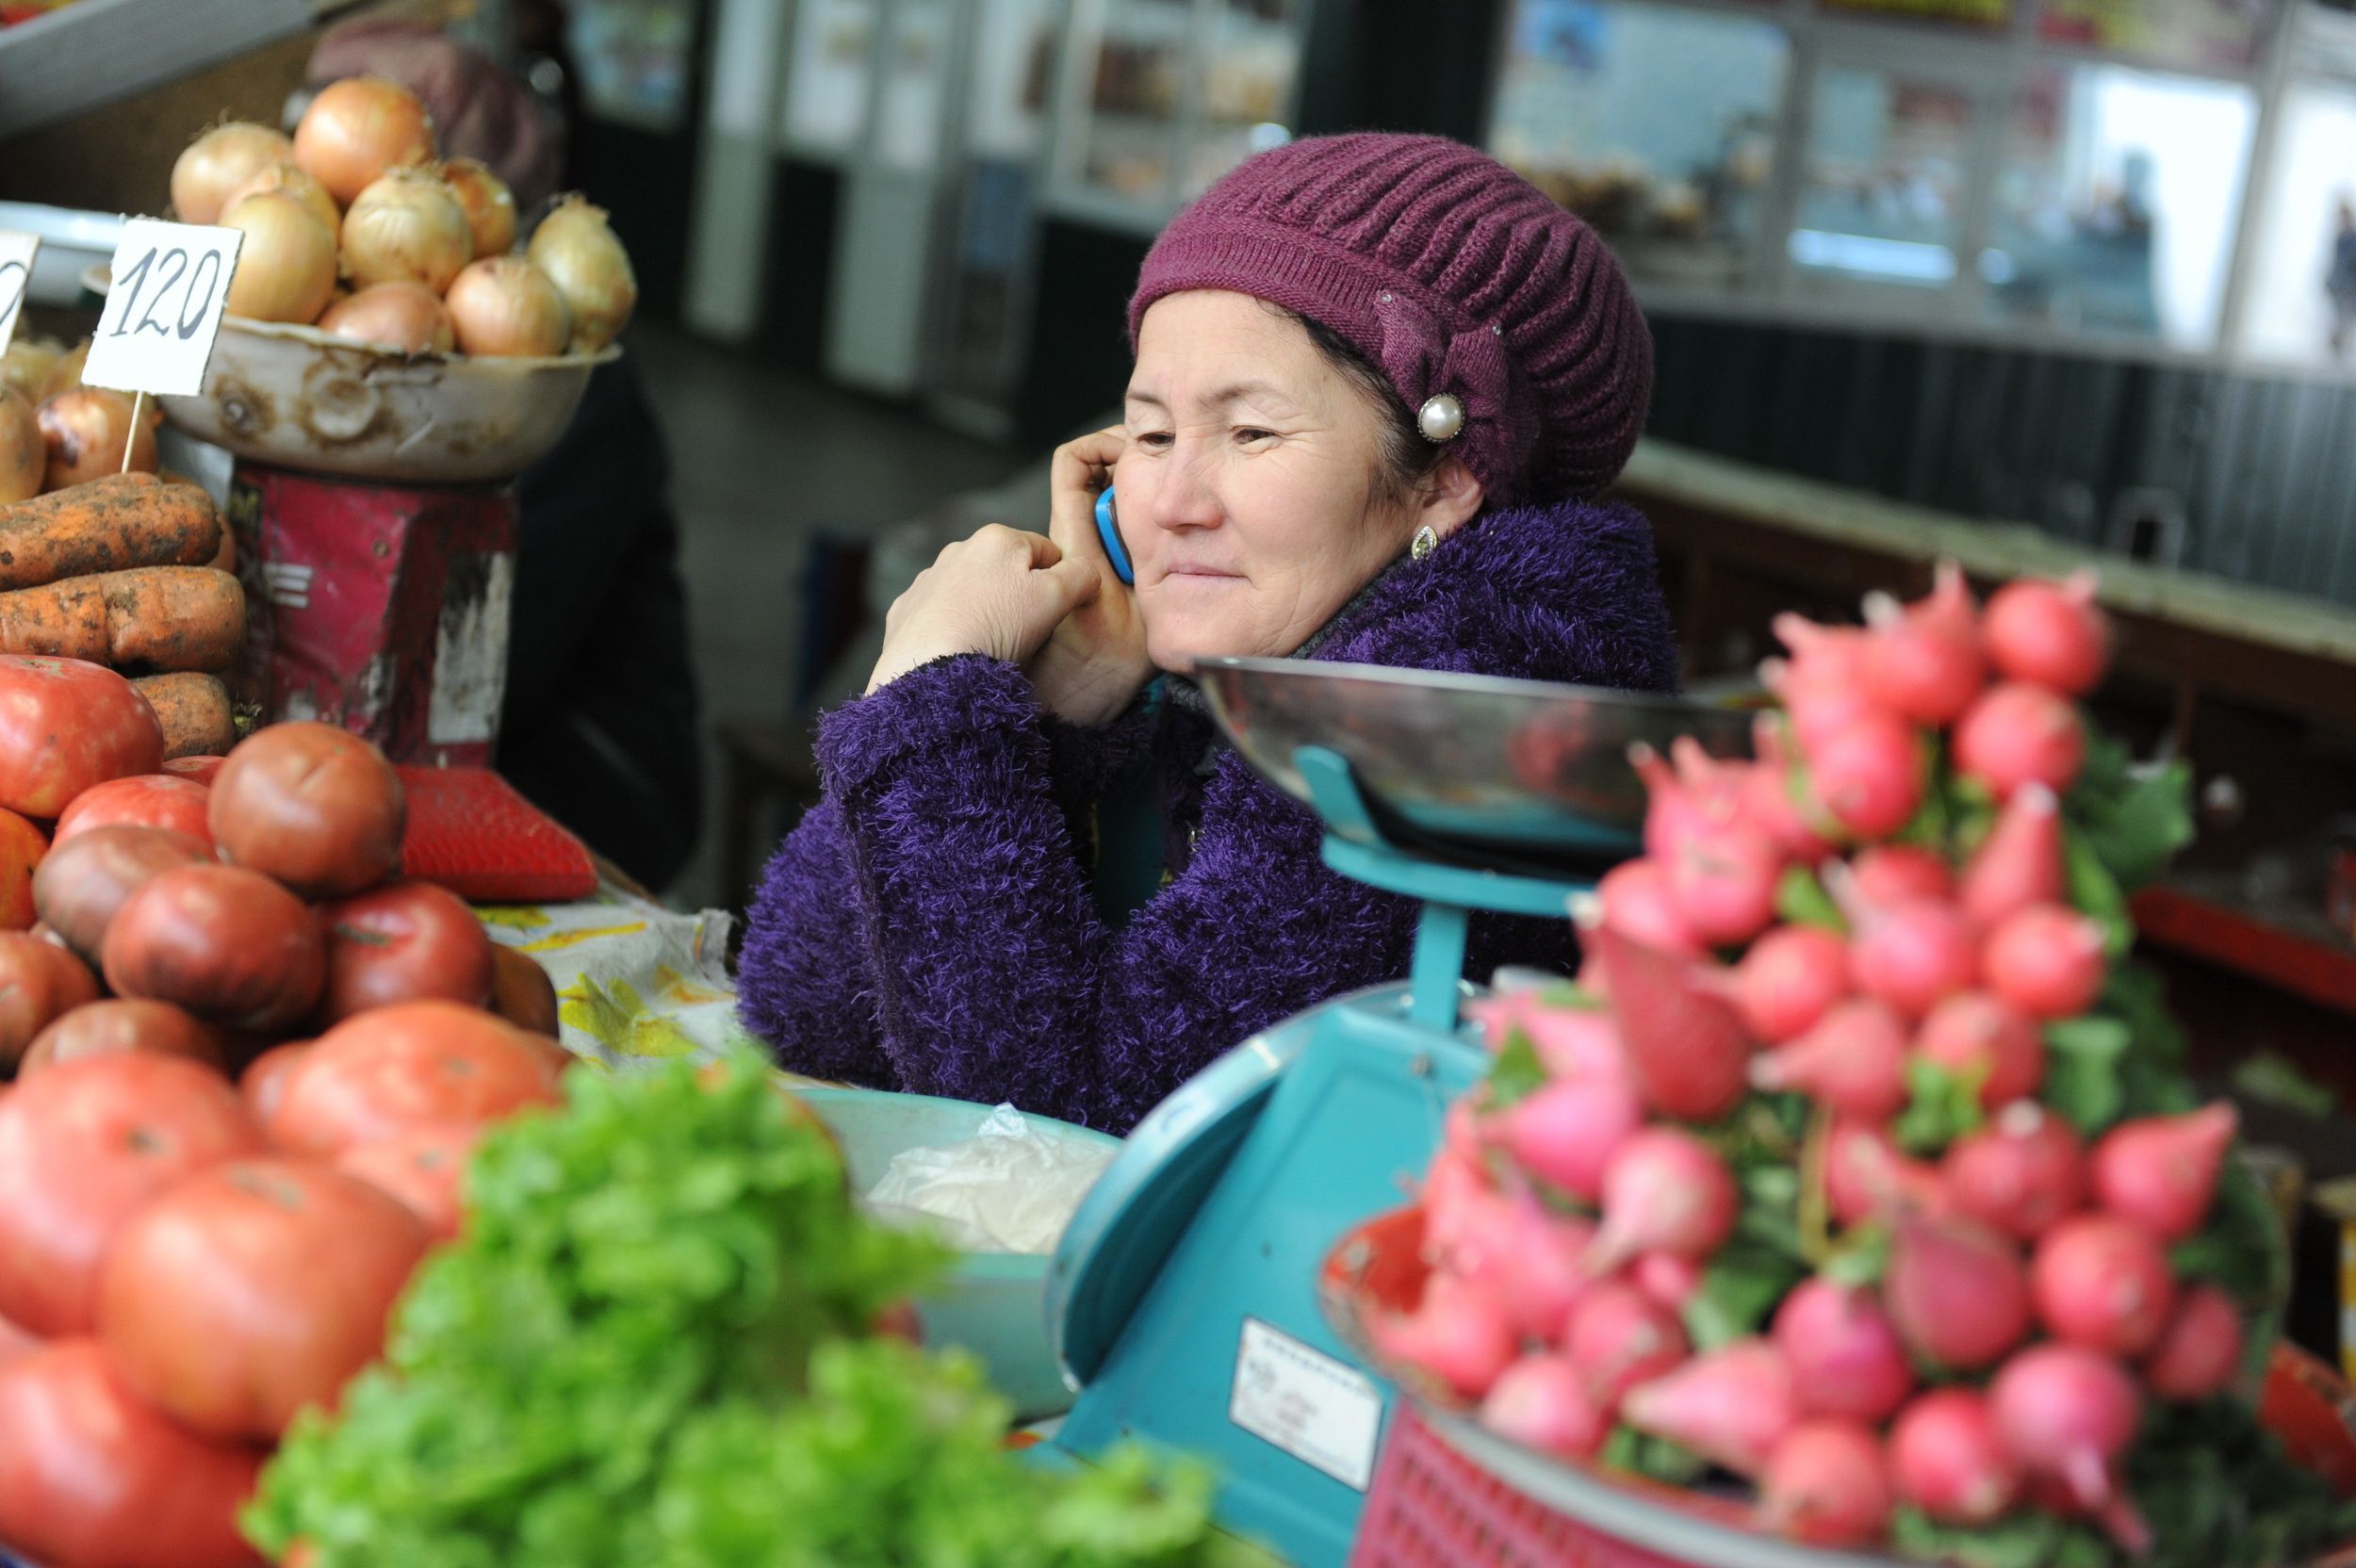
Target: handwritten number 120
{"points": [[173, 267]]}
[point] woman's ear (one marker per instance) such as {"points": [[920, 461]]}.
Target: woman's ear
{"points": [[1451, 497]]}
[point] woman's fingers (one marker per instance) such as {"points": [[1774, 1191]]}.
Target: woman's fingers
{"points": [[1077, 475]]}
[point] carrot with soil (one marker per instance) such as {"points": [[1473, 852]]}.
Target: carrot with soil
{"points": [[194, 711], [163, 618], [108, 525]]}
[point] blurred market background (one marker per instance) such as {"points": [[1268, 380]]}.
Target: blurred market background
{"points": [[2025, 282]]}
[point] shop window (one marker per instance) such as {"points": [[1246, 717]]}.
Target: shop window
{"points": [[2215, 35], [2115, 202], [1249, 75], [1654, 123], [2302, 281], [831, 74], [1881, 196]]}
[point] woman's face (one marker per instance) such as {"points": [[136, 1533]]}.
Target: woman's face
{"points": [[1249, 492]]}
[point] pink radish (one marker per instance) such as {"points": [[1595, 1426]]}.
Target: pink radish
{"points": [[1667, 1278], [1923, 662], [1887, 875], [1723, 882], [2161, 1173], [1543, 1281], [1822, 685], [1947, 1459], [1868, 774], [2020, 1175], [2021, 863], [1914, 954], [1866, 1174], [1500, 1013], [1731, 1406], [1957, 1291], [1843, 1352], [1459, 1129], [1854, 1061], [2068, 1413], [1789, 978], [1672, 814], [1639, 903], [1975, 1036], [1618, 1337], [1458, 1334], [2019, 734], [2050, 633], [2199, 1351], [1665, 1191], [1567, 1132], [1539, 1402], [2046, 960], [1454, 1183], [1685, 1042], [1827, 1484], [2101, 1283], [1472, 1239], [1577, 1042], [1768, 804]]}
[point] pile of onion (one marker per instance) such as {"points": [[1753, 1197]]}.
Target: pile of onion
{"points": [[86, 430], [490, 206], [66, 374], [24, 455], [506, 307], [28, 364], [403, 315], [289, 177], [287, 267], [210, 169], [359, 127], [406, 227], [578, 251]]}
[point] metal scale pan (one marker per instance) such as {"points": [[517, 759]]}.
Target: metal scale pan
{"points": [[1201, 1239]]}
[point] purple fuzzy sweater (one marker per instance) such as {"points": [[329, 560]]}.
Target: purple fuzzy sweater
{"points": [[931, 925]]}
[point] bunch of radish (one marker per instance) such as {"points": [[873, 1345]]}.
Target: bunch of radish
{"points": [[2023, 1309]]}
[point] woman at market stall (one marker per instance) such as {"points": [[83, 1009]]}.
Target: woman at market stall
{"points": [[1379, 382]]}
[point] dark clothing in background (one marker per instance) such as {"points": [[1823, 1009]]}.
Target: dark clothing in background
{"points": [[600, 728]]}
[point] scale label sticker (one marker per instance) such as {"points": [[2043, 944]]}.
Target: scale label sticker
{"points": [[1318, 1410], [169, 286], [16, 275]]}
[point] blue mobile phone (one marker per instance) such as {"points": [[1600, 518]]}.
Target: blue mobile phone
{"points": [[1108, 529]]}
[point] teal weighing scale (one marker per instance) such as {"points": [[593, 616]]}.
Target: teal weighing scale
{"points": [[1182, 1301]]}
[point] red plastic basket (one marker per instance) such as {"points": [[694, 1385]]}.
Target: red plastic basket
{"points": [[1431, 1507]]}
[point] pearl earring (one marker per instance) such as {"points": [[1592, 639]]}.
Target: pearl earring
{"points": [[1427, 540]]}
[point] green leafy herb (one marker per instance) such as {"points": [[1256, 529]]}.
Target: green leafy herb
{"points": [[2134, 993], [1801, 900], [2242, 1249], [2082, 1080], [1738, 1289], [1942, 1106], [1656, 1457], [1516, 1074], [2135, 819], [1861, 1257], [2095, 891], [2017, 1541], [2273, 1079], [651, 1322], [2219, 1492]]}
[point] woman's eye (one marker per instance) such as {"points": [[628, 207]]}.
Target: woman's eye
{"points": [[1247, 434], [1154, 438]]}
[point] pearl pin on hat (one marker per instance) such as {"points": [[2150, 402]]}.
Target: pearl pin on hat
{"points": [[1441, 419]]}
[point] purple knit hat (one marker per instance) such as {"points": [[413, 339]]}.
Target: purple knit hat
{"points": [[1451, 272]]}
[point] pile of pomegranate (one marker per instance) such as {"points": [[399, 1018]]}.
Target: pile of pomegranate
{"points": [[1796, 1183]]}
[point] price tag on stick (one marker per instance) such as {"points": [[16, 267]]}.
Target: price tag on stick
{"points": [[169, 284], [16, 275]]}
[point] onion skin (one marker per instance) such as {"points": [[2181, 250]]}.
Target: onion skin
{"points": [[407, 227], [209, 170], [490, 206], [356, 129], [287, 270], [86, 429], [505, 308], [66, 374], [289, 177], [27, 365], [577, 249], [405, 317], [24, 452]]}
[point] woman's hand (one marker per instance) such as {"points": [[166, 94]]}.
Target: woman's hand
{"points": [[1000, 593], [1094, 663]]}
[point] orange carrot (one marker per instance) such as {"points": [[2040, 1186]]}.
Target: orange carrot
{"points": [[194, 711], [160, 618], [108, 525]]}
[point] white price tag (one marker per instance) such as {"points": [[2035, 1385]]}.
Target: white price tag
{"points": [[169, 284], [1318, 1410], [16, 275]]}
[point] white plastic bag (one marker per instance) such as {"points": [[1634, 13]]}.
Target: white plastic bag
{"points": [[1005, 1190]]}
